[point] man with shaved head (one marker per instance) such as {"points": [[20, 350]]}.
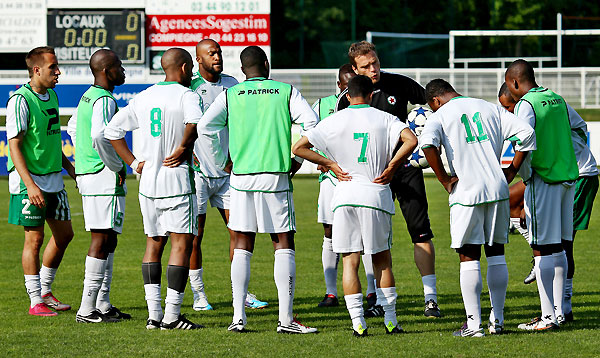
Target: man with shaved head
{"points": [[101, 182], [325, 107], [35, 182], [166, 115], [549, 174], [259, 113]]}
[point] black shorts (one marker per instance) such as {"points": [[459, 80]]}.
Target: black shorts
{"points": [[408, 187]]}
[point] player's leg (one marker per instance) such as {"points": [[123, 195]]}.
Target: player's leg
{"points": [[103, 301], [496, 219], [62, 233], [152, 274], [329, 259], [543, 210], [34, 238], [353, 293], [95, 268], [409, 188], [240, 277], [560, 257], [372, 310], [467, 233], [284, 272], [516, 201], [203, 192]]}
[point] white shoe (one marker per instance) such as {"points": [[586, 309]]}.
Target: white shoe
{"points": [[201, 303], [238, 327], [295, 327], [538, 324]]}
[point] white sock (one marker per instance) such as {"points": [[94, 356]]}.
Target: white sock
{"points": [[284, 272], [330, 263], [429, 289], [196, 282], [173, 305], [153, 300], [368, 265], [470, 287], [517, 224], [567, 308], [497, 280], [544, 271], [240, 276], [558, 284], [103, 300], [47, 275], [355, 309], [387, 299], [34, 289], [94, 274]]}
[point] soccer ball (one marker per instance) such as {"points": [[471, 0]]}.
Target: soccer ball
{"points": [[417, 159], [416, 119]]}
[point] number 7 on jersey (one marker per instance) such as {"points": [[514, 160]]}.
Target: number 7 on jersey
{"points": [[362, 158]]}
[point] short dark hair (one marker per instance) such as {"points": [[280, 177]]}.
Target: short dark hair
{"points": [[360, 86], [344, 69], [34, 56], [504, 91], [252, 56], [359, 49], [521, 70], [436, 88]]}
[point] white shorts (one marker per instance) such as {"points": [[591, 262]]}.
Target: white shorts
{"points": [[479, 224], [255, 211], [358, 229], [549, 211], [164, 216], [214, 189], [324, 212], [104, 212]]}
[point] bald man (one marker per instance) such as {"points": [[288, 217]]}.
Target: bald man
{"points": [[166, 115], [101, 182], [261, 190], [549, 174], [325, 107]]}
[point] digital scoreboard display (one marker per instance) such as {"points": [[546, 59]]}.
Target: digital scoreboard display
{"points": [[76, 35]]}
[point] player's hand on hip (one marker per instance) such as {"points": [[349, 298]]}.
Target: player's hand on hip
{"points": [[36, 197], [509, 173], [385, 177], [339, 173], [178, 156], [140, 167], [449, 185], [322, 168]]}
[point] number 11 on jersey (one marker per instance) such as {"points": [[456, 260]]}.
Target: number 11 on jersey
{"points": [[362, 158]]}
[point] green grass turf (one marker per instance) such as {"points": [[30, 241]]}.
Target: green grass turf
{"points": [[24, 335]]}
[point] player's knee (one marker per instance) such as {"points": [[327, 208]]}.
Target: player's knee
{"points": [[34, 241]]}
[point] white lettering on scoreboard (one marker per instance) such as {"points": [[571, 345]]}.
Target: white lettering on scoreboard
{"points": [[204, 7]]}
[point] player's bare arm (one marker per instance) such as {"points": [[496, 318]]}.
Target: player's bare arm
{"points": [[302, 149], [124, 152], [511, 171], [409, 143], [36, 197], [68, 166], [435, 162], [183, 152]]}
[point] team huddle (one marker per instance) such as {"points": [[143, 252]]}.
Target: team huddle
{"points": [[204, 137]]}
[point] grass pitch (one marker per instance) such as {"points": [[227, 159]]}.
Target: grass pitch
{"points": [[24, 335]]}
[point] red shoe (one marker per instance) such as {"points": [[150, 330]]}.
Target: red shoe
{"points": [[54, 303], [41, 310]]}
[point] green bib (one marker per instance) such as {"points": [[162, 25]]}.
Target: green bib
{"points": [[259, 123], [87, 160], [42, 145], [327, 106], [554, 160]]}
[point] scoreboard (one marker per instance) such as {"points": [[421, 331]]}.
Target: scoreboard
{"points": [[77, 34]]}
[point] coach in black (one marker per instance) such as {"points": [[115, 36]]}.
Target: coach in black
{"points": [[392, 94]]}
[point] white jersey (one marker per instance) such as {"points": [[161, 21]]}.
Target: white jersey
{"points": [[585, 159], [215, 119], [102, 113], [361, 139], [161, 113], [17, 121], [473, 132], [203, 161]]}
